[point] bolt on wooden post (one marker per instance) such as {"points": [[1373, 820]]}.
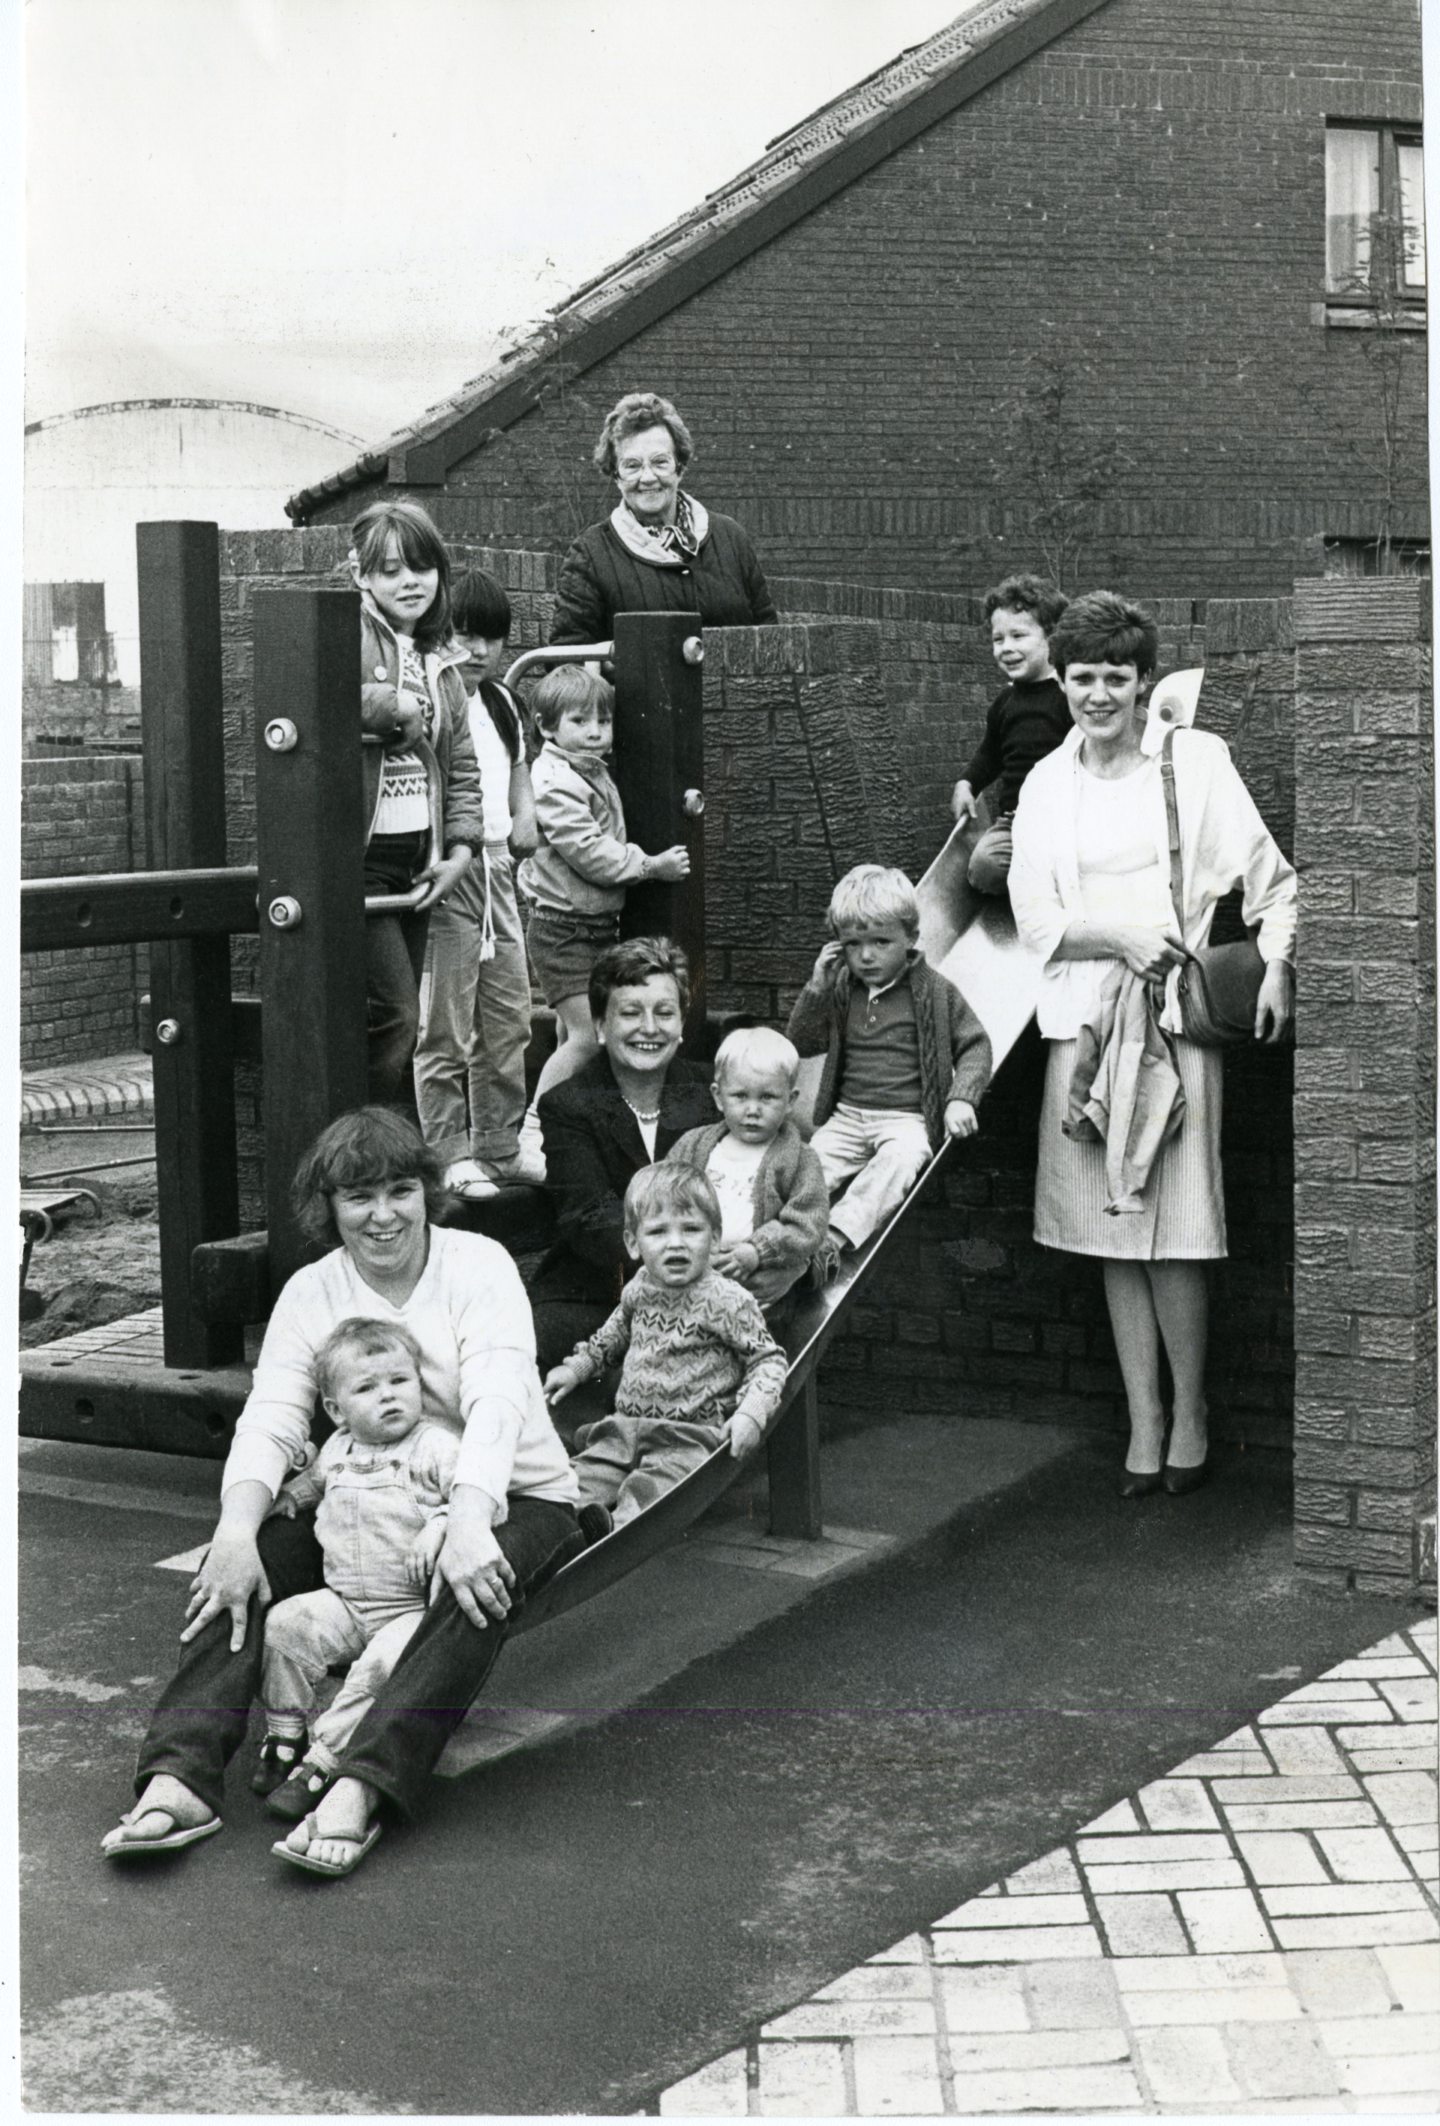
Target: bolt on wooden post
{"points": [[183, 741], [310, 837], [660, 767]]}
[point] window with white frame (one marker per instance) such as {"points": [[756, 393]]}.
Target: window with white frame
{"points": [[1375, 216]]}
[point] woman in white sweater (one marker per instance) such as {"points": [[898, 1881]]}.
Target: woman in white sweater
{"points": [[369, 1183], [1090, 886]]}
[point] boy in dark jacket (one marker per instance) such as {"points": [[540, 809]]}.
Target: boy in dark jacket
{"points": [[906, 1060], [1026, 720]]}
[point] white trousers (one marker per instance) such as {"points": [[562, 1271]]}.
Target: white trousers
{"points": [[309, 1634], [885, 1150]]}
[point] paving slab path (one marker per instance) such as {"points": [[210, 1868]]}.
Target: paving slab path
{"points": [[1254, 1932]]}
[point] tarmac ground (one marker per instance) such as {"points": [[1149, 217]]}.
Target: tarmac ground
{"points": [[758, 1767]]}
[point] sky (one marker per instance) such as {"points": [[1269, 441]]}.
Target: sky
{"points": [[336, 206]]}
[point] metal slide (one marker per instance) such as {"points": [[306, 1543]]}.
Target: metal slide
{"points": [[969, 938]]}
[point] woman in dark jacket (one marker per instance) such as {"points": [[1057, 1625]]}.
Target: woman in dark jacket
{"points": [[660, 551], [623, 1109]]}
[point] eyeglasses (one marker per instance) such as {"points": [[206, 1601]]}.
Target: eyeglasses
{"points": [[632, 468]]}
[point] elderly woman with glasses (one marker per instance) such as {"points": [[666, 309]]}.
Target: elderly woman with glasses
{"points": [[660, 550]]}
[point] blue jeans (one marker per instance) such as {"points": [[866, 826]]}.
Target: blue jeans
{"points": [[202, 1718]]}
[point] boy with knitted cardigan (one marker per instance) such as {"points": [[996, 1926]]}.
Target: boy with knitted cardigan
{"points": [[774, 1203], [906, 1060]]}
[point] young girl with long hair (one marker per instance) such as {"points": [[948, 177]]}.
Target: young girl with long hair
{"points": [[423, 769]]}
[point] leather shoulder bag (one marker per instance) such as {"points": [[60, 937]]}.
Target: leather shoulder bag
{"points": [[1219, 986]]}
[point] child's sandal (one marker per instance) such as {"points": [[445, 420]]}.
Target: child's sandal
{"points": [[306, 1785], [277, 1760]]}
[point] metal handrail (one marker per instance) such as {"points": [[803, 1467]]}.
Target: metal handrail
{"points": [[560, 653]]}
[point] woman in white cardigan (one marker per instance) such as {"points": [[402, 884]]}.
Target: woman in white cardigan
{"points": [[1090, 886]]}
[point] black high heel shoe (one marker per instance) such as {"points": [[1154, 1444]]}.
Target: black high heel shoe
{"points": [[1143, 1484], [1178, 1481], [1140, 1484]]}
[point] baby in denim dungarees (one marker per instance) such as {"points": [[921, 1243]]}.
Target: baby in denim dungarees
{"points": [[381, 1483]]}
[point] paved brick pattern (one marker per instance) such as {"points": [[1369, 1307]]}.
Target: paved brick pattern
{"points": [[1256, 1932], [110, 1085]]}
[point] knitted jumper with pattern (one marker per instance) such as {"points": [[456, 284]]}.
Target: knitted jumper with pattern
{"points": [[702, 1354]]}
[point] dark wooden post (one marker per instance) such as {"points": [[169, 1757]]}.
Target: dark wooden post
{"points": [[183, 741], [792, 1456], [659, 757], [309, 848]]}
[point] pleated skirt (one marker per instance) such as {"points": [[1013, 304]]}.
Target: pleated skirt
{"points": [[1183, 1218]]}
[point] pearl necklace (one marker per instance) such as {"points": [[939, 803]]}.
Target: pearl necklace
{"points": [[641, 1114]]}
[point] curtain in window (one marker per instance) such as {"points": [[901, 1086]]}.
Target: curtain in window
{"points": [[1411, 158], [1352, 200]]}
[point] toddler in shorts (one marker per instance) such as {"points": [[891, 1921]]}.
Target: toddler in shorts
{"points": [[577, 877]]}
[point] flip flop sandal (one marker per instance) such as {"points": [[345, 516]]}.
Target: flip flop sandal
{"points": [[478, 1191], [115, 1848], [362, 1846], [294, 1800]]}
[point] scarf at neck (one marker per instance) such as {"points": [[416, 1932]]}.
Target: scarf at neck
{"points": [[664, 545]]}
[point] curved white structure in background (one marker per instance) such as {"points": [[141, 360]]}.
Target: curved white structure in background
{"points": [[93, 474]]}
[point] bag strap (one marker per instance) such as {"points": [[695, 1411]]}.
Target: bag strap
{"points": [[504, 713], [1172, 820]]}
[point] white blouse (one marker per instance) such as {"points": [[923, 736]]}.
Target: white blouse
{"points": [[1224, 843]]}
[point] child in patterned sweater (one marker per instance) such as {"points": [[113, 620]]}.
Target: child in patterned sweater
{"points": [[701, 1368]]}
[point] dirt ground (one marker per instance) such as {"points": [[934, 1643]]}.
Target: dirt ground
{"points": [[93, 1268]]}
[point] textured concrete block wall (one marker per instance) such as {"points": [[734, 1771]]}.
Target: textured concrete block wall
{"points": [[1365, 1087], [802, 781], [80, 815], [1143, 201]]}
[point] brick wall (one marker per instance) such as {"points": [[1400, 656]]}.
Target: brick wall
{"points": [[68, 716], [1365, 1087], [80, 814], [1144, 200]]}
